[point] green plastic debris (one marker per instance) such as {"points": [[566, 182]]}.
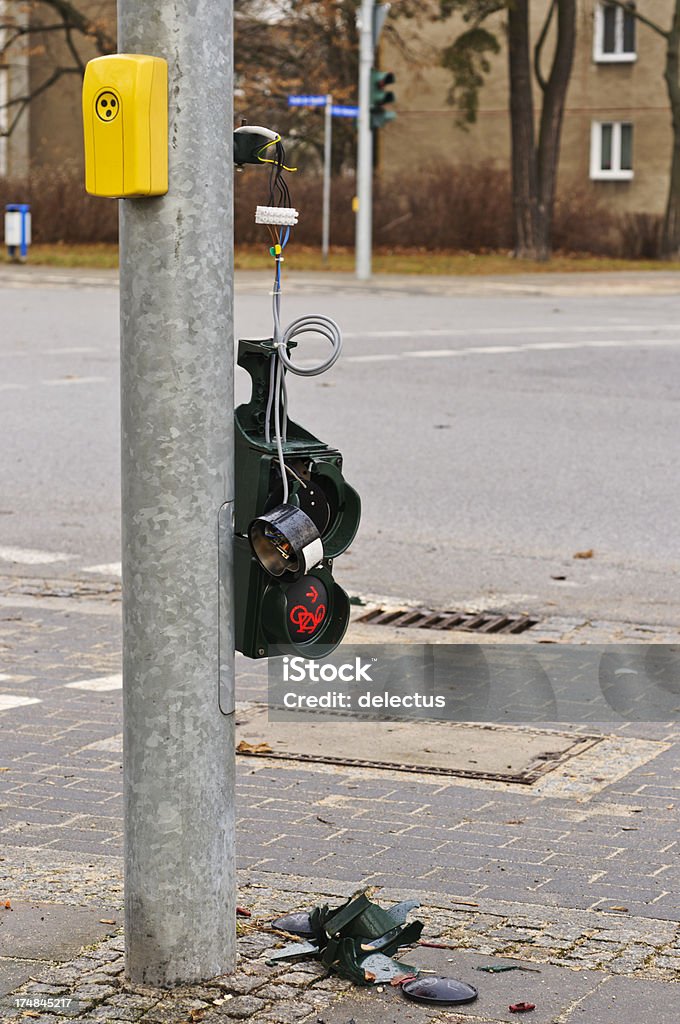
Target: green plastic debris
{"points": [[501, 968], [346, 937]]}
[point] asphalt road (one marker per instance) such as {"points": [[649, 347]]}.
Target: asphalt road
{"points": [[491, 436]]}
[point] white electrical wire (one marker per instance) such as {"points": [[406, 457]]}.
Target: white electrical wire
{"points": [[310, 323]]}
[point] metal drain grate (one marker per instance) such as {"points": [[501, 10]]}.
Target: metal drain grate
{"points": [[472, 622]]}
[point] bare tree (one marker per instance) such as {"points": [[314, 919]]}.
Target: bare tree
{"points": [[670, 236], [24, 26], [535, 155], [280, 47]]}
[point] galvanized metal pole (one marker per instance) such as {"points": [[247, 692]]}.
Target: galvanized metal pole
{"points": [[176, 282], [365, 155], [327, 151]]}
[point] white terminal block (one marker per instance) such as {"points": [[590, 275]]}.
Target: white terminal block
{"points": [[284, 215]]}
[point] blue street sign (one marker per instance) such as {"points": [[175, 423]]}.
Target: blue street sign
{"points": [[306, 101], [344, 111]]}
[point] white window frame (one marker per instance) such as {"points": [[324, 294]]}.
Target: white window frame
{"points": [[616, 173], [619, 56]]}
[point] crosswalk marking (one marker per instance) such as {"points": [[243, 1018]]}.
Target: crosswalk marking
{"points": [[74, 380], [111, 745], [100, 685], [30, 556], [108, 569], [12, 700]]}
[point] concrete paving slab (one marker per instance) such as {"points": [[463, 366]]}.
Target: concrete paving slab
{"points": [[628, 999], [14, 973], [454, 748], [553, 991], [45, 932]]}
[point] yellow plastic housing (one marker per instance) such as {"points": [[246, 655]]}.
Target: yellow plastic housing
{"points": [[125, 122]]}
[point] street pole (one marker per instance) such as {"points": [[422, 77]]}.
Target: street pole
{"points": [[327, 151], [176, 285], [365, 155]]}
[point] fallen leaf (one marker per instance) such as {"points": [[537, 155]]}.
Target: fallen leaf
{"points": [[521, 1007], [620, 910], [399, 979], [584, 554], [8, 905], [5, 769], [253, 748], [243, 912]]}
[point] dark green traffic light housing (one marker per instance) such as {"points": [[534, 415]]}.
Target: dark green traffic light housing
{"points": [[381, 97], [285, 595]]}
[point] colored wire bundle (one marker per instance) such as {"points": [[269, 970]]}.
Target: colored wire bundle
{"points": [[311, 323]]}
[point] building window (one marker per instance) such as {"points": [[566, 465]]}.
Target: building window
{"points": [[611, 151], [614, 34]]}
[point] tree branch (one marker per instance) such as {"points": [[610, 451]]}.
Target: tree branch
{"points": [[631, 8], [72, 17], [23, 101], [540, 42]]}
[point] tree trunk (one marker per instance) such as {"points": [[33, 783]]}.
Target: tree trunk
{"points": [[550, 134], [670, 238], [524, 176]]}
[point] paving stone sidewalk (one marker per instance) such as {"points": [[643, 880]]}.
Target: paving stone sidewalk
{"points": [[576, 875]]}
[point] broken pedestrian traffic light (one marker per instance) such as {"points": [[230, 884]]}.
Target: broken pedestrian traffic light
{"points": [[285, 595]]}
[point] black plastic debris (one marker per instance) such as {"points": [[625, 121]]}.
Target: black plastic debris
{"points": [[295, 924], [444, 991]]}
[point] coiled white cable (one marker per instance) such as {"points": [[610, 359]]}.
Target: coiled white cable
{"points": [[310, 323]]}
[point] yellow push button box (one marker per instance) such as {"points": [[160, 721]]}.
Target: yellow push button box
{"points": [[125, 121]]}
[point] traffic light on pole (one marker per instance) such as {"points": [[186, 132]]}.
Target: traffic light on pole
{"points": [[381, 97], [285, 595]]}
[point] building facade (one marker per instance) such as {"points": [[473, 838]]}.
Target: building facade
{"points": [[49, 132], [617, 129], [616, 142]]}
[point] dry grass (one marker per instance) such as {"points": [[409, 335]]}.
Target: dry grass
{"points": [[385, 261]]}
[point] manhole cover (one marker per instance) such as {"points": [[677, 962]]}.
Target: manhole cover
{"points": [[500, 753], [472, 622]]}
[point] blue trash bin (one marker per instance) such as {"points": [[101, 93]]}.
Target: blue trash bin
{"points": [[18, 229]]}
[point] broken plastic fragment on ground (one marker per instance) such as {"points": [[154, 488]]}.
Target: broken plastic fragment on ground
{"points": [[445, 991], [358, 939], [294, 951], [378, 967], [295, 924]]}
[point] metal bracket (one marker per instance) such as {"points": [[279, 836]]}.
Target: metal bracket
{"points": [[225, 550]]}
